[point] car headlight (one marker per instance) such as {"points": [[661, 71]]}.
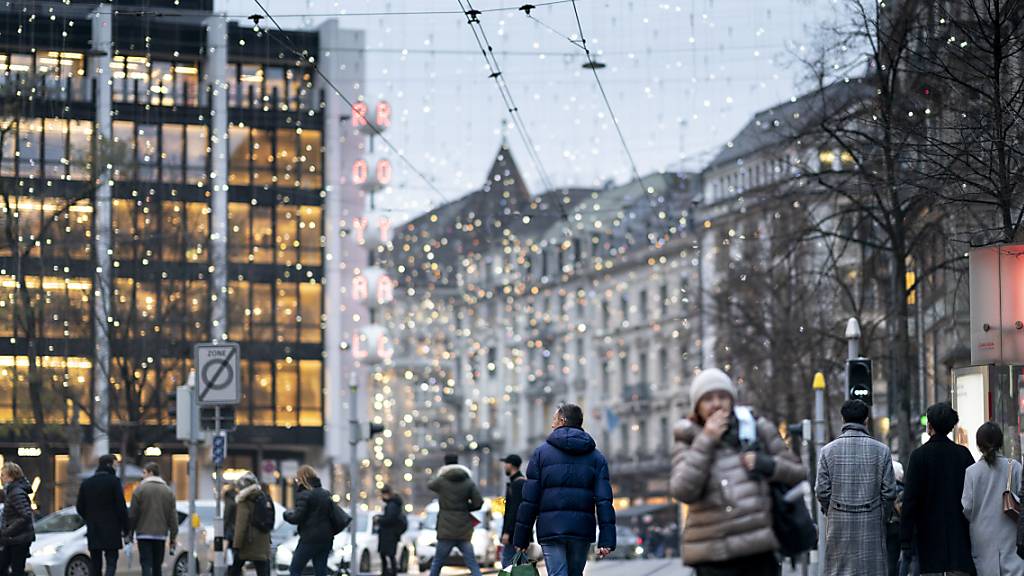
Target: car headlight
{"points": [[284, 556], [639, 550], [50, 550]]}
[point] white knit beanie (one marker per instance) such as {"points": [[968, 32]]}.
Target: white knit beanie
{"points": [[710, 380]]}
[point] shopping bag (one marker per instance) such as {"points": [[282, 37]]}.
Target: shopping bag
{"points": [[521, 566]]}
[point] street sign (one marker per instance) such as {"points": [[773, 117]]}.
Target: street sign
{"points": [[218, 376], [220, 448], [216, 418]]}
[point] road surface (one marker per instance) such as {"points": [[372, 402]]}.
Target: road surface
{"points": [[669, 567]]}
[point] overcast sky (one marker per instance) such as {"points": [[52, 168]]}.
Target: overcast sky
{"points": [[682, 77]]}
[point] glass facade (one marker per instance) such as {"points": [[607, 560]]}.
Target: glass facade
{"points": [[161, 222]]}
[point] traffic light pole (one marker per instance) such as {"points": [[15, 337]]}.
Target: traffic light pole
{"points": [[353, 466], [852, 345]]}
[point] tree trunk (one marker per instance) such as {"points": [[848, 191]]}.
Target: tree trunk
{"points": [[900, 358]]}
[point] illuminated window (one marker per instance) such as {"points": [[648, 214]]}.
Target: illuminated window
{"points": [[239, 156], [285, 311], [197, 153], [239, 234], [310, 309], [310, 375], [262, 394], [310, 234], [286, 386], [262, 313], [287, 238], [172, 152]]}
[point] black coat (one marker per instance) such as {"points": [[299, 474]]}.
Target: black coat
{"points": [[390, 526], [312, 514], [17, 526], [101, 504], [513, 498], [933, 515]]}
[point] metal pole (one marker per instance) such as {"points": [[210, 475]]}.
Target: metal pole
{"points": [[852, 340], [353, 465], [220, 556], [819, 443], [193, 475], [805, 456]]}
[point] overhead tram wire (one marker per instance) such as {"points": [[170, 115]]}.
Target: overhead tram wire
{"points": [[480, 35], [159, 14], [594, 66], [290, 46]]}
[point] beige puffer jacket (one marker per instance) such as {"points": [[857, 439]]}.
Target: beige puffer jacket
{"points": [[730, 513]]}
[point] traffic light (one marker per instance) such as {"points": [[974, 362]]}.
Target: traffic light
{"points": [[376, 429], [858, 379]]}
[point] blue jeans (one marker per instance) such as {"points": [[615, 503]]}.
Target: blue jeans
{"points": [[566, 557], [305, 552], [444, 548]]}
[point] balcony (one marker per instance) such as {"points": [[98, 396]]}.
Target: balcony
{"points": [[640, 392], [546, 387]]}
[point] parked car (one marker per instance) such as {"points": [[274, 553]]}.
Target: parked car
{"points": [[628, 545], [61, 547], [486, 538], [408, 542]]}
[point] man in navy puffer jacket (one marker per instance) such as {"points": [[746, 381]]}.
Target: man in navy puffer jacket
{"points": [[569, 495]]}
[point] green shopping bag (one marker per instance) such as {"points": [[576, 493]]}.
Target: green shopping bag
{"points": [[521, 566]]}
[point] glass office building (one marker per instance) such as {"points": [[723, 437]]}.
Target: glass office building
{"points": [[171, 176]]}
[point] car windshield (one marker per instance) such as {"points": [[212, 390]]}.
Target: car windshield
{"points": [[59, 522]]}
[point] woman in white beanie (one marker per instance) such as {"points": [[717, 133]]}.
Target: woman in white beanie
{"points": [[725, 458]]}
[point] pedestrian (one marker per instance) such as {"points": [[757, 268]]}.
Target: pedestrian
{"points": [[725, 481], [16, 532], [933, 516], [457, 498], [392, 525], [892, 526], [252, 536], [101, 504], [312, 514], [513, 498], [856, 488], [153, 519], [228, 498], [568, 493], [993, 533]]}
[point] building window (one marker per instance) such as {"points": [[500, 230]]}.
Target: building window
{"points": [[642, 305], [663, 373]]}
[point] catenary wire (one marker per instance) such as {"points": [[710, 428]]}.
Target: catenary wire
{"points": [[480, 35], [592, 65], [291, 47]]}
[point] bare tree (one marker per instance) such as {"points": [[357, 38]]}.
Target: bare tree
{"points": [[876, 171], [971, 84]]}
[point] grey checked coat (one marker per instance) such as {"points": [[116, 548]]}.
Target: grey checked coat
{"points": [[856, 487], [993, 534]]}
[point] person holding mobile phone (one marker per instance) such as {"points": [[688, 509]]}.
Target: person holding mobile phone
{"points": [[722, 468]]}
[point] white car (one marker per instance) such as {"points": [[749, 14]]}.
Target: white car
{"points": [[341, 551], [485, 539], [61, 547]]}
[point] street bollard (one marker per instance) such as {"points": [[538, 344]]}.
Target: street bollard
{"points": [[817, 559]]}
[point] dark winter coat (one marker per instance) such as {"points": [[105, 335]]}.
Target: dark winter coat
{"points": [[513, 498], [101, 504], [230, 509], [390, 526], [457, 498], [312, 514], [933, 515], [567, 492], [250, 542], [17, 526]]}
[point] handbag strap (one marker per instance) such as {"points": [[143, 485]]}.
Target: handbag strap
{"points": [[1009, 475]]}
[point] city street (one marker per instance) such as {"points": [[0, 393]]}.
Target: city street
{"points": [[664, 567]]}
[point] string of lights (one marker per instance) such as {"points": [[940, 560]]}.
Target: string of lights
{"points": [[290, 46], [472, 17]]}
